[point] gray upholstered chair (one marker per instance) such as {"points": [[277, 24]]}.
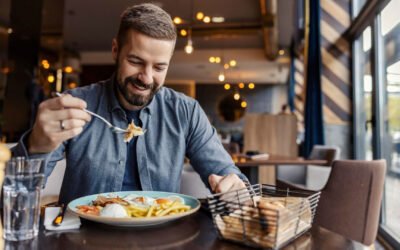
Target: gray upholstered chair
{"points": [[310, 177], [351, 200], [317, 176]]}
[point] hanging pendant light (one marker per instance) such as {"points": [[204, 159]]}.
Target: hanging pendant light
{"points": [[189, 46]]}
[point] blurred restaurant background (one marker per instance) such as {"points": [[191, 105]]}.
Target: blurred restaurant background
{"points": [[273, 76]]}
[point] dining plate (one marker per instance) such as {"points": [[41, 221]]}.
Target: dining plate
{"points": [[132, 221]]}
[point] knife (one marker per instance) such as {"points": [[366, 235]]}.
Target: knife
{"points": [[60, 217]]}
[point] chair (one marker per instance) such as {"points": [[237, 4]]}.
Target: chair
{"points": [[317, 176], [311, 177], [351, 200]]}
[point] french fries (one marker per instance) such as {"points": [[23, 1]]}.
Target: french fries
{"points": [[157, 210]]}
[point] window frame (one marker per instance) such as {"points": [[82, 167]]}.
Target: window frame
{"points": [[369, 15]]}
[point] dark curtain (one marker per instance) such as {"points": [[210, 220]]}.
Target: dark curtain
{"points": [[291, 78], [313, 118]]}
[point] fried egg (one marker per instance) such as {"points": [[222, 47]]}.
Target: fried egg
{"points": [[113, 210]]}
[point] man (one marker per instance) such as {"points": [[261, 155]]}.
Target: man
{"points": [[99, 160]]}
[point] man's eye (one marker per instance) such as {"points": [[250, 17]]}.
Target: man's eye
{"points": [[159, 69], [135, 62]]}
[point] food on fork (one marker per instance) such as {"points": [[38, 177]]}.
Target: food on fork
{"points": [[131, 131], [134, 206]]}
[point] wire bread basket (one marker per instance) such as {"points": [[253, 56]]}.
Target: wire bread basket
{"points": [[262, 215]]}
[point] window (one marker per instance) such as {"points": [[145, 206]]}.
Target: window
{"points": [[357, 6], [390, 30], [376, 73]]}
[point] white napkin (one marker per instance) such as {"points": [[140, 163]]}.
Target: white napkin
{"points": [[70, 222]]}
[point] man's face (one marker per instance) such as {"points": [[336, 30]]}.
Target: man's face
{"points": [[142, 65]]}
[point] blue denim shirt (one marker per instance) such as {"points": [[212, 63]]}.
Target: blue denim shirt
{"points": [[176, 127]]}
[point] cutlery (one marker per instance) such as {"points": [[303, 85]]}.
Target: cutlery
{"points": [[60, 217], [115, 129]]}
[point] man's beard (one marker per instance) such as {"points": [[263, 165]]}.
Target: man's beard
{"points": [[136, 99]]}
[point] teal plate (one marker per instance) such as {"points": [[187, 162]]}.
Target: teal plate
{"points": [[132, 221]]}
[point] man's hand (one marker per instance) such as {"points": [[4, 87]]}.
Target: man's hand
{"points": [[221, 184], [58, 119]]}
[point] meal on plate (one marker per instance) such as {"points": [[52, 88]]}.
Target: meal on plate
{"points": [[272, 221], [131, 131], [134, 206]]}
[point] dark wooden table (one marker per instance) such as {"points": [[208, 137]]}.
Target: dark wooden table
{"points": [[194, 232], [250, 167], [274, 160]]}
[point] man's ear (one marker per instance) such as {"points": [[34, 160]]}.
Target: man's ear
{"points": [[114, 49]]}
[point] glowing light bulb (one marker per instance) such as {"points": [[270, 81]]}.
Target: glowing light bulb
{"points": [[241, 85], [50, 78], [251, 85], [177, 20], [68, 69], [236, 96], [211, 59], [227, 86], [221, 77], [232, 63], [226, 66], [189, 47], [200, 15], [183, 32], [243, 104], [207, 19], [218, 59]]}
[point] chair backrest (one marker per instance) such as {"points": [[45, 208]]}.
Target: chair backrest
{"points": [[351, 200], [325, 152]]}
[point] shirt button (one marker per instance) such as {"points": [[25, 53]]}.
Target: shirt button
{"points": [[120, 162]]}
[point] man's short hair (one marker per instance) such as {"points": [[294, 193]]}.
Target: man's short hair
{"points": [[147, 19]]}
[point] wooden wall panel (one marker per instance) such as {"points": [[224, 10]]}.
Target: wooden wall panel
{"points": [[273, 134]]}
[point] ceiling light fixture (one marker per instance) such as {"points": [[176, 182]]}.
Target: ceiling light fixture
{"points": [[236, 96], [189, 46], [183, 32], [221, 77], [227, 86], [218, 19], [251, 85], [68, 69], [177, 20], [241, 85], [211, 59], [207, 19], [50, 78], [232, 63], [243, 104], [281, 52], [226, 66], [200, 15]]}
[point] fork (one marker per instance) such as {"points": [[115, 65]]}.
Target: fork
{"points": [[114, 129]]}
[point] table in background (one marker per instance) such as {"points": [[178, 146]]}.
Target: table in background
{"points": [[250, 166], [193, 232]]}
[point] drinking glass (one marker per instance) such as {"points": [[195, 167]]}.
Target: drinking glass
{"points": [[23, 182]]}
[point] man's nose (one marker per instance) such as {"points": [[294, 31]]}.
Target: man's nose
{"points": [[146, 76]]}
